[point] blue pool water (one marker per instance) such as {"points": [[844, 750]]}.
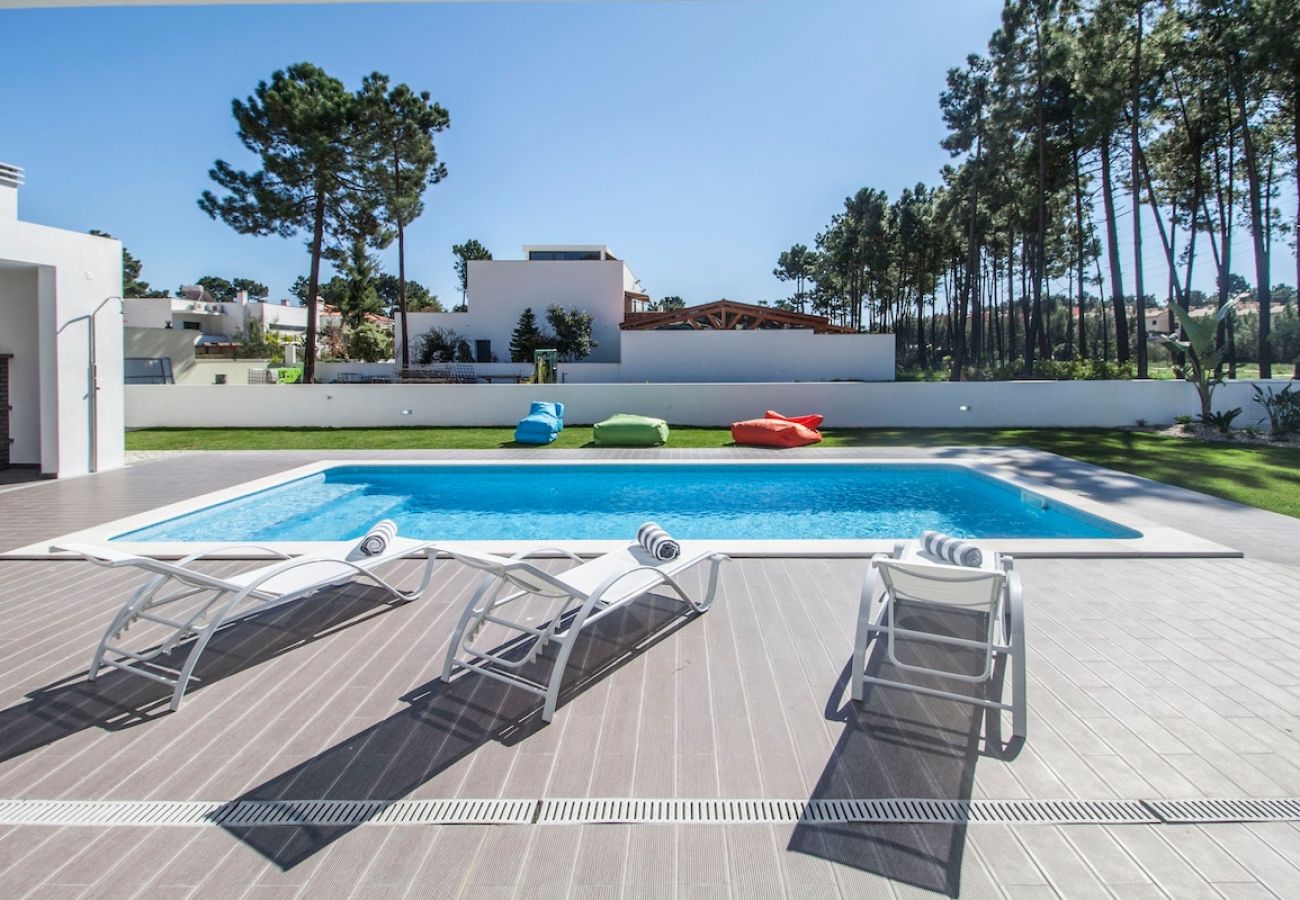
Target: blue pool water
{"points": [[608, 502]]}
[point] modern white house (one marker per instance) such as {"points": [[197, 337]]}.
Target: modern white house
{"points": [[61, 396], [586, 276], [720, 341], [216, 321]]}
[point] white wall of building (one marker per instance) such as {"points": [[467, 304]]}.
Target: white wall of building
{"points": [[147, 312], [74, 274], [990, 404], [218, 318], [755, 355], [501, 289]]}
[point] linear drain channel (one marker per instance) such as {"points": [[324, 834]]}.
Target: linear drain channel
{"points": [[633, 811]]}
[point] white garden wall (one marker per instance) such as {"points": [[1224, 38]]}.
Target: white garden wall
{"points": [[1030, 404], [753, 355]]}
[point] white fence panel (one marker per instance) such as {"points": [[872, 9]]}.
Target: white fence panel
{"points": [[1028, 404]]}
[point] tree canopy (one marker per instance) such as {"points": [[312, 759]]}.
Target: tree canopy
{"points": [[1079, 112]]}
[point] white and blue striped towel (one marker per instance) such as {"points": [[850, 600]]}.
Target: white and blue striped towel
{"points": [[658, 542], [378, 538], [951, 549]]}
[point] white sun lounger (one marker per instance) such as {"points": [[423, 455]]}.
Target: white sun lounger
{"points": [[914, 577], [207, 602], [594, 587]]}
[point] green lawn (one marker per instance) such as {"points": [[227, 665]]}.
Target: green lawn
{"points": [[1262, 476]]}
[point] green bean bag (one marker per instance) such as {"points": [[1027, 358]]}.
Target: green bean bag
{"points": [[626, 430]]}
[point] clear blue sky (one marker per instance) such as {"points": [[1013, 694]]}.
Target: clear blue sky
{"points": [[696, 139]]}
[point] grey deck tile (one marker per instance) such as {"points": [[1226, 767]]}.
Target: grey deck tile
{"points": [[1214, 863], [1004, 856], [1174, 874], [1268, 867], [651, 869], [602, 856], [700, 848], [1245, 890], [1065, 870], [548, 862], [446, 865], [1105, 856]]}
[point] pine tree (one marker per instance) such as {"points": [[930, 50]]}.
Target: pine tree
{"points": [[300, 125], [398, 126], [526, 337]]}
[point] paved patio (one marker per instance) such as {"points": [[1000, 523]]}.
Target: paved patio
{"points": [[1149, 679]]}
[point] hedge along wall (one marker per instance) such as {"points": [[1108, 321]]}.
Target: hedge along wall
{"points": [[996, 404]]}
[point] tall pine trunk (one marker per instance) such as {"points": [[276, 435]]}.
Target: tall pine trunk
{"points": [[401, 294], [1258, 228], [1135, 147], [313, 288], [1118, 311]]}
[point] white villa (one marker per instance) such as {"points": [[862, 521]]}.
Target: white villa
{"points": [[587, 276], [61, 398], [218, 321], [719, 341]]}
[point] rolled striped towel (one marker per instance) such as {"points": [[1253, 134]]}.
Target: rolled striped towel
{"points": [[378, 538], [951, 549], [658, 542]]}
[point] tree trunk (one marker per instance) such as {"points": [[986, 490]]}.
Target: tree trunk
{"points": [[401, 294], [1254, 183], [313, 289], [1135, 147], [1112, 252], [1078, 233]]}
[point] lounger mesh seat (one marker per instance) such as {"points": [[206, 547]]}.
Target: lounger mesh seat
{"points": [[911, 580], [189, 603], [519, 609]]}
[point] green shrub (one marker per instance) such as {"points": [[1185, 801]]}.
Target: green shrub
{"points": [[1282, 408]]}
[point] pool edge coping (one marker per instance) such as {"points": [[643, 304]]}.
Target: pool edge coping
{"points": [[1155, 540]]}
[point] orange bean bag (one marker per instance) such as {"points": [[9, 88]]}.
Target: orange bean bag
{"points": [[814, 421], [773, 433]]}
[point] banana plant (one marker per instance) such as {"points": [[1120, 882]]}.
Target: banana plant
{"points": [[1203, 357]]}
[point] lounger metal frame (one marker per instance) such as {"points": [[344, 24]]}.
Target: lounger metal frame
{"points": [[564, 627], [176, 582], [995, 591]]}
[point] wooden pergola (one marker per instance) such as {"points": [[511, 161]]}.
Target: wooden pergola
{"points": [[729, 315]]}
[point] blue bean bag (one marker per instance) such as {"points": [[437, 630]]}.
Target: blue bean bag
{"points": [[542, 425]]}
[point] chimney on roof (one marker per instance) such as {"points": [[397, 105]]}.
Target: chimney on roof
{"points": [[11, 178], [241, 297]]}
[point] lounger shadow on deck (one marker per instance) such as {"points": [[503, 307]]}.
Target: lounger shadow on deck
{"points": [[118, 701], [445, 723], [899, 744]]}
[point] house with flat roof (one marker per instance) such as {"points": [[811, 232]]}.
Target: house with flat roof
{"points": [[586, 276], [61, 398], [724, 340]]}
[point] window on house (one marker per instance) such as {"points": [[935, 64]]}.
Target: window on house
{"points": [[564, 254], [483, 351], [191, 326]]}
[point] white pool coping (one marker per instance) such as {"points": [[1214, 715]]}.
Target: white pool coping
{"points": [[1155, 540]]}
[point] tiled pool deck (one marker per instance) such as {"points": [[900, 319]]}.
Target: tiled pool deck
{"points": [[1149, 679]]}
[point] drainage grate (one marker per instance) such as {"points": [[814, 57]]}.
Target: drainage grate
{"points": [[1191, 812], [267, 813], [936, 812], [353, 813]]}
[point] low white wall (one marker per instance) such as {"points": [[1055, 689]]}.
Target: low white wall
{"points": [[327, 372], [1030, 404]]}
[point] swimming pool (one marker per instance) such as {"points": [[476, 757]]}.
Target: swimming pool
{"points": [[607, 501]]}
